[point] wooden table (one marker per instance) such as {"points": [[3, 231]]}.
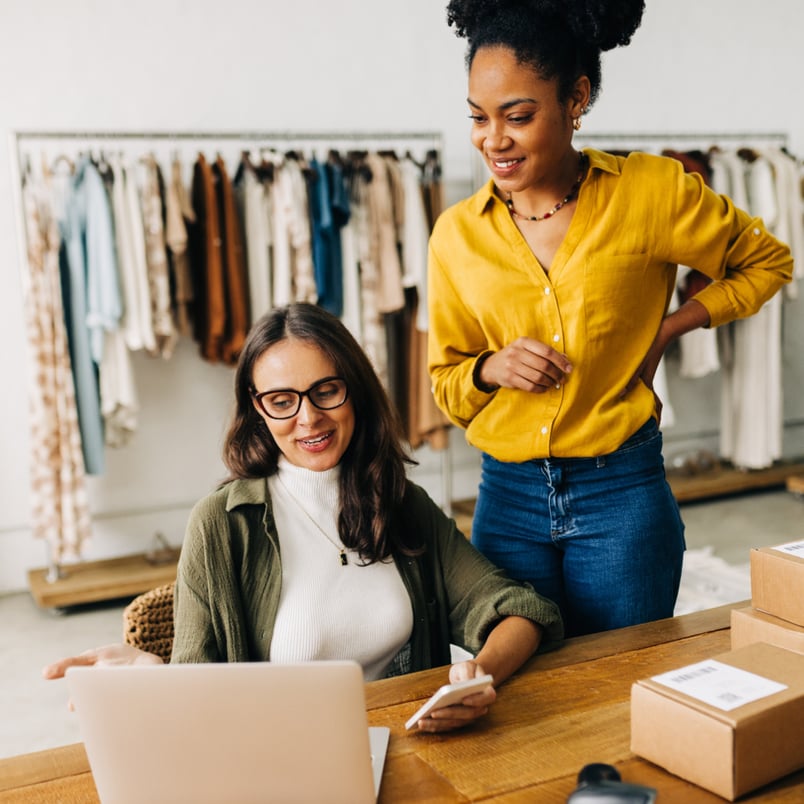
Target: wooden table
{"points": [[563, 710]]}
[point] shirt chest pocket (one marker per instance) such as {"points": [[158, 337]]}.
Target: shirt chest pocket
{"points": [[617, 292]]}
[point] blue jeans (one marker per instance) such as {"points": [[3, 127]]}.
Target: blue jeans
{"points": [[602, 537]]}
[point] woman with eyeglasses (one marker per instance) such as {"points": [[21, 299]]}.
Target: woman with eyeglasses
{"points": [[319, 547]]}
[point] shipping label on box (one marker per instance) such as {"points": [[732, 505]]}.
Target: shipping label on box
{"points": [[730, 724], [749, 625], [720, 685], [777, 581]]}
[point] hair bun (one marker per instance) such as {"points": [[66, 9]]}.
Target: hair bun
{"points": [[604, 24]]}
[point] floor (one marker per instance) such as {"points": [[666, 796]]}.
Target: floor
{"points": [[35, 712]]}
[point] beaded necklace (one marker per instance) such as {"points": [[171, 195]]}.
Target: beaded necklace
{"points": [[509, 202]]}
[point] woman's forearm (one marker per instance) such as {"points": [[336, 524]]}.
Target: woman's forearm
{"points": [[509, 645], [690, 316]]}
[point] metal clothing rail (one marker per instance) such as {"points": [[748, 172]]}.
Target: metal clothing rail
{"points": [[24, 140], [706, 139], [229, 135], [685, 135]]}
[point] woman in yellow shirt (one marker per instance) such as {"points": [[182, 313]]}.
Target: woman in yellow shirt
{"points": [[549, 291]]}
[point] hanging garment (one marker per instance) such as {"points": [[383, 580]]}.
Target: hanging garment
{"points": [[254, 202], [79, 197], [293, 275], [104, 302], [329, 213], [206, 259], [425, 421], [234, 268], [118, 392], [136, 323], [298, 200], [323, 232], [432, 188], [118, 399], [790, 224], [339, 205], [698, 349], [59, 504], [415, 235], [178, 214], [352, 314], [156, 259], [280, 195], [383, 233], [751, 389], [371, 324]]}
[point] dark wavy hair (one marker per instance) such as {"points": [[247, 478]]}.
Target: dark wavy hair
{"points": [[373, 479], [560, 39]]}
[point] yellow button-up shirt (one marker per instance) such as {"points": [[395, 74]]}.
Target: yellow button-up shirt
{"points": [[608, 288]]}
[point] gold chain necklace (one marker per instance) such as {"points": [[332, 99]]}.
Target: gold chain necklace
{"points": [[509, 202], [339, 547]]}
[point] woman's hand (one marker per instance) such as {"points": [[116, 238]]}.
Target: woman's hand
{"points": [[116, 654], [468, 710], [646, 372], [691, 315], [526, 364]]}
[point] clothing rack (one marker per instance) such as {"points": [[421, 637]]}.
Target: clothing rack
{"points": [[253, 138], [721, 480], [23, 142]]}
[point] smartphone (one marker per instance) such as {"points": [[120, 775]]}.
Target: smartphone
{"points": [[450, 694]]}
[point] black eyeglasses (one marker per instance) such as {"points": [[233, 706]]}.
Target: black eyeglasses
{"points": [[285, 403]]}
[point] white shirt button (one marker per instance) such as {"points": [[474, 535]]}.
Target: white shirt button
{"points": [[544, 431], [756, 231], [547, 291], [556, 338]]}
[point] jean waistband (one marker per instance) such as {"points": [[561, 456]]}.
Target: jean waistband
{"points": [[645, 433]]}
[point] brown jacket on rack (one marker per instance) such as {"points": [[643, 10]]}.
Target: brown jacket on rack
{"points": [[207, 261], [235, 281]]}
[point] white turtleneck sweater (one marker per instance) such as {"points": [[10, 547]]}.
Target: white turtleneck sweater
{"points": [[328, 610]]}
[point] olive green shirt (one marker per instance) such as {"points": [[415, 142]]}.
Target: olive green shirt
{"points": [[230, 577]]}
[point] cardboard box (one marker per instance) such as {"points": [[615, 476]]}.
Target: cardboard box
{"points": [[777, 581], [750, 625], [735, 727]]}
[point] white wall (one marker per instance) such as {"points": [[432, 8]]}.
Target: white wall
{"points": [[355, 65]]}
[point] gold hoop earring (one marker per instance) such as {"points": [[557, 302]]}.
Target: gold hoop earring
{"points": [[576, 123]]}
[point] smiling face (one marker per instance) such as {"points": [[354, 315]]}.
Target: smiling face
{"points": [[314, 439], [520, 126]]}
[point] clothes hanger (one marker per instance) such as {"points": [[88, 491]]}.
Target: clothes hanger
{"points": [[63, 159]]}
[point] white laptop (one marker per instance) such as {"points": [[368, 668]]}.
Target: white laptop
{"points": [[229, 733]]}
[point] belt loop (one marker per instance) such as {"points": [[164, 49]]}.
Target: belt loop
{"points": [[600, 461]]}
